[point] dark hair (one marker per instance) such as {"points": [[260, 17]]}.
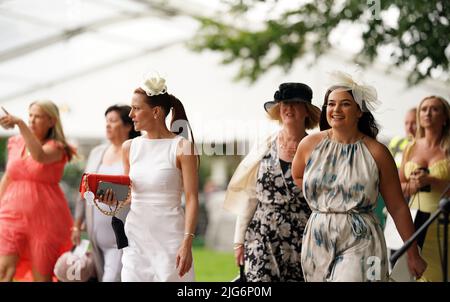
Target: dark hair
{"points": [[168, 101], [366, 123], [124, 111]]}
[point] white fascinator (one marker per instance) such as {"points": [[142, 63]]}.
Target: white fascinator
{"points": [[153, 84], [365, 95]]}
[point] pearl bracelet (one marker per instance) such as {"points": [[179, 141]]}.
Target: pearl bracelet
{"points": [[189, 234]]}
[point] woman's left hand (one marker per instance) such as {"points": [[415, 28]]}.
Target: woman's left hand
{"points": [[184, 258], [416, 265], [9, 121]]}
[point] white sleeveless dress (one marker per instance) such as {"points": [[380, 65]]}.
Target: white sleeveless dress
{"points": [[155, 223]]}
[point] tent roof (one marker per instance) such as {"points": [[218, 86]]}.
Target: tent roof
{"points": [[88, 55]]}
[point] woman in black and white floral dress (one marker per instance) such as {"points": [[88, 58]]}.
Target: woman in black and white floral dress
{"points": [[272, 212], [273, 241]]}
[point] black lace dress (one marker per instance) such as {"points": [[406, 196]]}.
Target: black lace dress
{"points": [[273, 240]]}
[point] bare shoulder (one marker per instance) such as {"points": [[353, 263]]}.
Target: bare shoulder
{"points": [[126, 145], [311, 141], [184, 142], [185, 147], [379, 151]]}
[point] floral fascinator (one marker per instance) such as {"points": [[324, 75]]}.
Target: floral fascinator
{"points": [[365, 95], [153, 84]]}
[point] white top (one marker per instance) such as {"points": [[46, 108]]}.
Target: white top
{"points": [[102, 230], [155, 224], [153, 171]]}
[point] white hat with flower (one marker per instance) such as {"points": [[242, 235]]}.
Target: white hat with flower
{"points": [[364, 95]]}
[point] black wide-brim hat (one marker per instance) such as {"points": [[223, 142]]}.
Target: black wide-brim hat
{"points": [[291, 92]]}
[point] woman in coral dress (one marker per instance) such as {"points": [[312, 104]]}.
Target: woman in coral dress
{"points": [[35, 219]]}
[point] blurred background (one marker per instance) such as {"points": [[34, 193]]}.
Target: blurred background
{"points": [[223, 60]]}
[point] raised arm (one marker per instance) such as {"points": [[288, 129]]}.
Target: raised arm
{"points": [[188, 163], [44, 154]]}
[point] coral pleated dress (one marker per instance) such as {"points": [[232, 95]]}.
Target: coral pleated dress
{"points": [[35, 219]]}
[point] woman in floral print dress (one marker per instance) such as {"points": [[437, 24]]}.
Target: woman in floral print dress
{"points": [[272, 212], [273, 240]]}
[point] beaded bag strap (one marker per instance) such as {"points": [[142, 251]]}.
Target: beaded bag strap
{"points": [[112, 212]]}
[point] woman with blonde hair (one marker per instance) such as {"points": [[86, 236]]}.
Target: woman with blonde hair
{"points": [[35, 219], [425, 174], [272, 212]]}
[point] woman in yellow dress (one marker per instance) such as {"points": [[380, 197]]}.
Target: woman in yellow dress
{"points": [[425, 175]]}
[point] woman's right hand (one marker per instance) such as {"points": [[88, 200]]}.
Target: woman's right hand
{"points": [[418, 179], [239, 255], [9, 121], [76, 236], [411, 187]]}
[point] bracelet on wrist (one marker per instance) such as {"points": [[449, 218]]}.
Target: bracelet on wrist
{"points": [[189, 234], [238, 246]]}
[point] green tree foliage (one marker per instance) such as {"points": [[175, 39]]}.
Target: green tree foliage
{"points": [[419, 38], [3, 152]]}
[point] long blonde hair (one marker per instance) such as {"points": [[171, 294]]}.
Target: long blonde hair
{"points": [[445, 140], [56, 132]]}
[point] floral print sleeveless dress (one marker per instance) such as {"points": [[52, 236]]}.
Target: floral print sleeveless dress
{"points": [[343, 238], [273, 240]]}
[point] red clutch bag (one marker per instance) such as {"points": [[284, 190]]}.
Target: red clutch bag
{"points": [[90, 183]]}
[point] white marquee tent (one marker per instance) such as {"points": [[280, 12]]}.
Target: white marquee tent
{"points": [[87, 55]]}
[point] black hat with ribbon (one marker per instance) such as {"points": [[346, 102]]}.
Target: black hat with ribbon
{"points": [[291, 92]]}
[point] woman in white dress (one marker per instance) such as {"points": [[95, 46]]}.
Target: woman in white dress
{"points": [[161, 165]]}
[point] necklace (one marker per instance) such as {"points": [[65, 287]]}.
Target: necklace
{"points": [[289, 147]]}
